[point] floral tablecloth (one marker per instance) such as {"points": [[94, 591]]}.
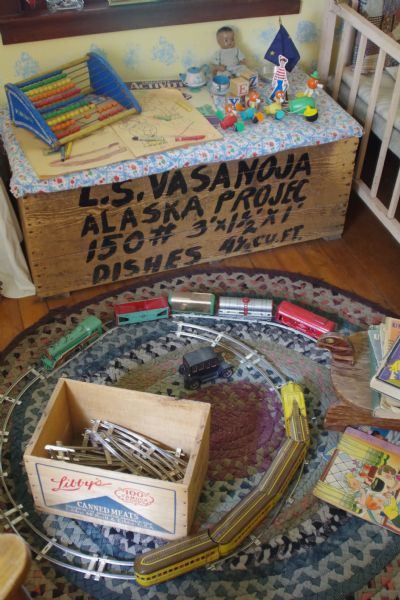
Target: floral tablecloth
{"points": [[267, 137]]}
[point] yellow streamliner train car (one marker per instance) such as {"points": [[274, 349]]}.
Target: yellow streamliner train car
{"points": [[221, 539]]}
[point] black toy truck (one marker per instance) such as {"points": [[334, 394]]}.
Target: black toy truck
{"points": [[203, 365]]}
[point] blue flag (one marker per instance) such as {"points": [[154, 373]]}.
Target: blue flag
{"points": [[283, 45]]}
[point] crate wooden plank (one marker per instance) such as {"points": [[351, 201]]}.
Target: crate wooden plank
{"points": [[137, 503], [90, 236]]}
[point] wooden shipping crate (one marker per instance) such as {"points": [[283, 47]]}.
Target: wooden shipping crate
{"points": [[106, 233], [152, 506]]}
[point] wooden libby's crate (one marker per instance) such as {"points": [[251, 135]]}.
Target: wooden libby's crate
{"points": [[152, 506], [94, 235]]}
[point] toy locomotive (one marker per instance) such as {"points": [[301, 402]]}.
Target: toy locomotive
{"points": [[221, 539], [82, 335]]}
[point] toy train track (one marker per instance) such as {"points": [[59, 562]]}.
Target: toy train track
{"points": [[222, 545], [240, 318], [246, 354]]}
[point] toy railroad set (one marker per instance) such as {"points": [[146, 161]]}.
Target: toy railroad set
{"points": [[114, 446], [126, 463]]}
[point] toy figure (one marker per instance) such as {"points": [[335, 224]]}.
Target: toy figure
{"points": [[280, 81], [276, 108], [229, 118], [228, 59], [312, 84], [250, 111], [253, 99]]}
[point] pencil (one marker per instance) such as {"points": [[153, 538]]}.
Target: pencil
{"points": [[68, 150], [189, 138], [184, 105]]}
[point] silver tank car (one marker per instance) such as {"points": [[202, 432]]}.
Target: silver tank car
{"points": [[251, 308], [192, 302]]}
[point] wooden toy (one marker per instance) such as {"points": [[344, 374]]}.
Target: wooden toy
{"points": [[70, 102], [353, 406], [251, 76], [341, 348], [239, 86]]}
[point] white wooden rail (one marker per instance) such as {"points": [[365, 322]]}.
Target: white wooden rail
{"points": [[334, 56]]}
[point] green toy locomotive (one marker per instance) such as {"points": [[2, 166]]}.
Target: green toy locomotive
{"points": [[84, 334]]}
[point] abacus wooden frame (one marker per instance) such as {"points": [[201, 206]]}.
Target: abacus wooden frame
{"points": [[19, 23]]}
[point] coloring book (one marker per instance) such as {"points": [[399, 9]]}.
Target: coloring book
{"points": [[362, 477], [387, 378]]}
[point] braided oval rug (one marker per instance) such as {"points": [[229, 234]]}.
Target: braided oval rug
{"points": [[306, 549]]}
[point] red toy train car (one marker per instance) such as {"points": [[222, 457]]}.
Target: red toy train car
{"points": [[295, 317], [139, 311]]}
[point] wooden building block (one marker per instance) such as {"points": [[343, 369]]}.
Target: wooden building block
{"points": [[251, 76], [239, 86], [106, 233], [151, 506]]}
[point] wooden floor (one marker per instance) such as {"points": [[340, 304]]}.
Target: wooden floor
{"points": [[365, 261]]}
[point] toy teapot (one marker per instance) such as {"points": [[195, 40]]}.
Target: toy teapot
{"points": [[195, 76]]}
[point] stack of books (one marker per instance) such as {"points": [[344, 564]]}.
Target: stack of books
{"points": [[384, 343]]}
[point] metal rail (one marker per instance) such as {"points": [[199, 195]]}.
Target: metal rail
{"points": [[246, 354], [17, 518], [258, 320]]}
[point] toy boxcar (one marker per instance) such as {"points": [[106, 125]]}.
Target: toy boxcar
{"points": [[140, 311]]}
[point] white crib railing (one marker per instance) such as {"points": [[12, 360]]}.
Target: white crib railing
{"points": [[334, 56]]}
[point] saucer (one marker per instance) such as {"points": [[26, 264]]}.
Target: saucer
{"points": [[214, 92]]}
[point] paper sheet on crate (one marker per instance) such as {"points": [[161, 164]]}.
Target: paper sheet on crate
{"points": [[167, 121]]}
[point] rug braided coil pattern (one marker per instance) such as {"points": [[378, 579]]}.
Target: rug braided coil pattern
{"points": [[309, 550]]}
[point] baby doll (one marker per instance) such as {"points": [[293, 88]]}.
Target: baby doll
{"points": [[228, 59]]}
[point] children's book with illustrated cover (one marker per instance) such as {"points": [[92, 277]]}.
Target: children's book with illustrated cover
{"points": [[387, 379], [362, 477]]}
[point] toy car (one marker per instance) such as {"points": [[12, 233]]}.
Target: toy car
{"points": [[203, 365]]}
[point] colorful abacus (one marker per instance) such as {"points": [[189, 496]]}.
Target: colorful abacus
{"points": [[71, 102]]}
